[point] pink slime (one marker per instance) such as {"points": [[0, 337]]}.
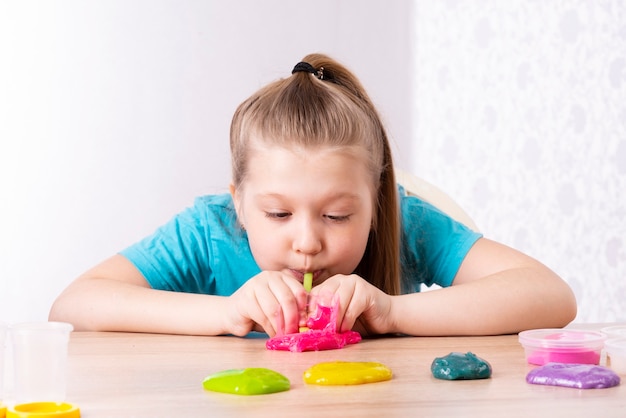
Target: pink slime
{"points": [[322, 334], [580, 355], [541, 357]]}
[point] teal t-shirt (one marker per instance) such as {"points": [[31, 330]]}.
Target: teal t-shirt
{"points": [[204, 250]]}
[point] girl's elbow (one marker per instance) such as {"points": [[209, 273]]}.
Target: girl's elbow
{"points": [[63, 309], [568, 307], [58, 311], [573, 309]]}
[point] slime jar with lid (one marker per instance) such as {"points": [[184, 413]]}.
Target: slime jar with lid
{"points": [[562, 346]]}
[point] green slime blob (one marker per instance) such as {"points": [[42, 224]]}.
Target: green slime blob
{"points": [[460, 366], [250, 381]]}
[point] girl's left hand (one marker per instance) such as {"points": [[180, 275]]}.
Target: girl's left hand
{"points": [[362, 306]]}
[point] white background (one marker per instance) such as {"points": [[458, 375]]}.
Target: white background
{"points": [[114, 115]]}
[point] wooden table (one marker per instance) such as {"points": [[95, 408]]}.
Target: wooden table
{"points": [[146, 375]]}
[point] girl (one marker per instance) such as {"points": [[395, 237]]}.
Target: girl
{"points": [[313, 190]]}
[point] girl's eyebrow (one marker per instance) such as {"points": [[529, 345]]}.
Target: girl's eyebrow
{"points": [[332, 196]]}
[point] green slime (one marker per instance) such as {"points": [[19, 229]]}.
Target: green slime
{"points": [[460, 366], [250, 381]]}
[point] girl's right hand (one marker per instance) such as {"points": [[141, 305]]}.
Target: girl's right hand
{"points": [[270, 302]]}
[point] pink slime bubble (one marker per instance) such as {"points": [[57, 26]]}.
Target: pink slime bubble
{"points": [[322, 334]]}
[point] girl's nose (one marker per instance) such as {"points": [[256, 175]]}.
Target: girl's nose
{"points": [[307, 240]]}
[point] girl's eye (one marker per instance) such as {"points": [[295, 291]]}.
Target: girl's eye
{"points": [[276, 215], [285, 215], [338, 218]]}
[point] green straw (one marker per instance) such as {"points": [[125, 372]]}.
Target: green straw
{"points": [[308, 281]]}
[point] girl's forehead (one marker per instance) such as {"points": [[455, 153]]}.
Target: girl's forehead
{"points": [[299, 151], [339, 160], [309, 170]]}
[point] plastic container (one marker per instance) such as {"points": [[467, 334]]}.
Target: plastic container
{"points": [[3, 333], [616, 331], [39, 360], [616, 354], [562, 346], [44, 410]]}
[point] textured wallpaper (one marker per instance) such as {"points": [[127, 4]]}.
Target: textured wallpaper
{"points": [[521, 117]]}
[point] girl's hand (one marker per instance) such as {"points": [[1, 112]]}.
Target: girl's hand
{"points": [[362, 306], [270, 302]]}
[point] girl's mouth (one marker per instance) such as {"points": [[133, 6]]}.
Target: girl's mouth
{"points": [[299, 274]]}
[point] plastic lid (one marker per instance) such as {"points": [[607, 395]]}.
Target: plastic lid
{"points": [[615, 331], [43, 410], [561, 338]]}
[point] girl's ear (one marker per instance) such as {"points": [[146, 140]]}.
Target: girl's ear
{"points": [[236, 202]]}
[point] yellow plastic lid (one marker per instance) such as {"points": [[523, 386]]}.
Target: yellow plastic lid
{"points": [[43, 410]]}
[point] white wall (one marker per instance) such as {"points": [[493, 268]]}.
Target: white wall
{"points": [[115, 114], [521, 116]]}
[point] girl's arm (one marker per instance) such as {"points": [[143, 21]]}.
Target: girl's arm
{"points": [[114, 296], [497, 290]]}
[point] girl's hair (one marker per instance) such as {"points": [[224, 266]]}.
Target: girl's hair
{"points": [[328, 107]]}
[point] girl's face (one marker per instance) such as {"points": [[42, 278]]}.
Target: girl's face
{"points": [[306, 210]]}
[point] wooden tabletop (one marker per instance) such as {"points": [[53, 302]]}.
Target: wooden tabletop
{"points": [[147, 375]]}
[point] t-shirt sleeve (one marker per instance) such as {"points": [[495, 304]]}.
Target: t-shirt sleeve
{"points": [[433, 244], [176, 256]]}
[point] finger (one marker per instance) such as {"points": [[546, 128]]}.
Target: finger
{"points": [[278, 307], [337, 292], [245, 313], [292, 301], [303, 300], [257, 328], [349, 306], [258, 309]]}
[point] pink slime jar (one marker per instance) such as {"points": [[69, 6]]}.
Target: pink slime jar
{"points": [[562, 346]]}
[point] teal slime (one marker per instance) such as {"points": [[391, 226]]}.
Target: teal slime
{"points": [[460, 366]]}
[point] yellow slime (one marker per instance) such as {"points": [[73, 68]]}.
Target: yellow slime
{"points": [[346, 373]]}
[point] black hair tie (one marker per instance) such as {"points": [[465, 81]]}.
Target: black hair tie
{"points": [[305, 67]]}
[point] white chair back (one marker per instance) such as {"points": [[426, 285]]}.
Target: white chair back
{"points": [[421, 188]]}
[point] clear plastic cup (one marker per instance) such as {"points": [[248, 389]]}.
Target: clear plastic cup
{"points": [[3, 329], [616, 353], [40, 361]]}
